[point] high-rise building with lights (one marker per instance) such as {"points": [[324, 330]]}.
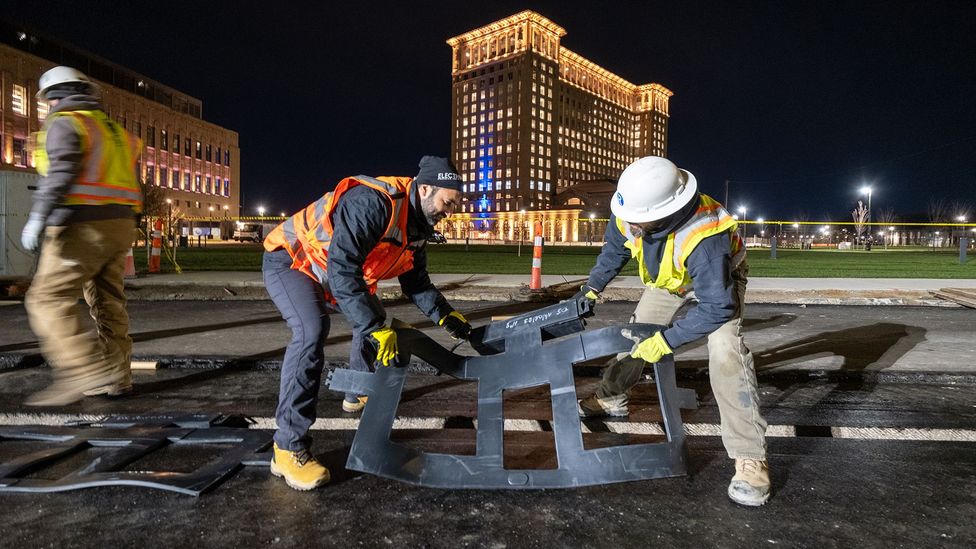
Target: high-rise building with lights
{"points": [[195, 163], [531, 120]]}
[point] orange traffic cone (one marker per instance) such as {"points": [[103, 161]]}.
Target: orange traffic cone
{"points": [[536, 283], [130, 265], [157, 245]]}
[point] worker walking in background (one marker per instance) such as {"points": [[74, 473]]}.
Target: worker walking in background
{"points": [[328, 257], [83, 221], [684, 242]]}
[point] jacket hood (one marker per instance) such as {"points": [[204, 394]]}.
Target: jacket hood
{"points": [[79, 102]]}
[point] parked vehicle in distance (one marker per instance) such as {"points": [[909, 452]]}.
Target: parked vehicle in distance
{"points": [[248, 232], [437, 238]]}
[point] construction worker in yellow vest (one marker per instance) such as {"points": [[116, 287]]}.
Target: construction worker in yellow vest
{"points": [[686, 246], [83, 221]]}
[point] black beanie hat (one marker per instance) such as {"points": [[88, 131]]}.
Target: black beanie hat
{"points": [[439, 172]]}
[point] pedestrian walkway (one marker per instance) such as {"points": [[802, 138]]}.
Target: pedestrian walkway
{"points": [[495, 287]]}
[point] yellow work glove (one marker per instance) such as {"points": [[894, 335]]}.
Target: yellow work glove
{"points": [[456, 325], [385, 340], [651, 349]]}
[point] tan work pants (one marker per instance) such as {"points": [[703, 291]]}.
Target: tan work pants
{"points": [[83, 259], [731, 370]]}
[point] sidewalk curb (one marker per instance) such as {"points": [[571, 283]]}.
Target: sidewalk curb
{"points": [[254, 291]]}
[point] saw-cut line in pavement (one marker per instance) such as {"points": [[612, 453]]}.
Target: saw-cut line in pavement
{"points": [[613, 426]]}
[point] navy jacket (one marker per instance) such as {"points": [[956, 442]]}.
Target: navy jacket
{"points": [[709, 266], [359, 221]]}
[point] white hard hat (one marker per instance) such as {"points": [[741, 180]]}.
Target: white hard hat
{"points": [[652, 188], [62, 75]]}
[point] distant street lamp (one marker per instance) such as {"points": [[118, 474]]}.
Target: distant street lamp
{"points": [[169, 221], [866, 189], [261, 211]]}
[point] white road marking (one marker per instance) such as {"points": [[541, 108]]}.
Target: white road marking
{"points": [[620, 427]]}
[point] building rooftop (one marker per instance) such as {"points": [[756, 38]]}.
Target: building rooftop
{"points": [[28, 40]]}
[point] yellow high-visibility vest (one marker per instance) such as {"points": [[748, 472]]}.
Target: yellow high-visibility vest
{"points": [[709, 219], [108, 167]]}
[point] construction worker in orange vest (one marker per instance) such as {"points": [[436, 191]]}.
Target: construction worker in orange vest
{"points": [[686, 245], [329, 256], [83, 221]]}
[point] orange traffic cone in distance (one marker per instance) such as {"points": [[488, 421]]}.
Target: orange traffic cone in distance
{"points": [[130, 265]]}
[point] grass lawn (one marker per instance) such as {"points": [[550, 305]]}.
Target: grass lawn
{"points": [[577, 260]]}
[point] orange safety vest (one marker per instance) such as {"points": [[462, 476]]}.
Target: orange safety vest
{"points": [[108, 167], [708, 220], [307, 234]]}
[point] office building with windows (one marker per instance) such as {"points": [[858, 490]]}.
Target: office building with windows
{"points": [[531, 120], [196, 163]]}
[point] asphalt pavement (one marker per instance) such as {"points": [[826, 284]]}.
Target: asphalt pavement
{"points": [[872, 436]]}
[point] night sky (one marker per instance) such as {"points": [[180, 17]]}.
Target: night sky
{"points": [[797, 103]]}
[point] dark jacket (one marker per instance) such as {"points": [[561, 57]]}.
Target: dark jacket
{"points": [[709, 266], [64, 151], [359, 221]]}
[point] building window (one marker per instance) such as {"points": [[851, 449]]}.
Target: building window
{"points": [[209, 185], [151, 174], [186, 184], [227, 158], [199, 151], [209, 152], [227, 187], [164, 140], [151, 136], [20, 152], [217, 156], [196, 184], [42, 110], [186, 147], [176, 143], [18, 100]]}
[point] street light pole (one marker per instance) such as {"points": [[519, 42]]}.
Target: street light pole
{"points": [[521, 229], [866, 189], [745, 228]]}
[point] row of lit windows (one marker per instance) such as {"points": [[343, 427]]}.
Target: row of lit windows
{"points": [[198, 184]]}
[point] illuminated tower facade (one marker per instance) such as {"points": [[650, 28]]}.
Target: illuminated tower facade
{"points": [[530, 117]]}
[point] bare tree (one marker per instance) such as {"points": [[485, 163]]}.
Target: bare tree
{"points": [[860, 215], [887, 215], [938, 210]]}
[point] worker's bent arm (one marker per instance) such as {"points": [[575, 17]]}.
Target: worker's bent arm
{"points": [[63, 147], [613, 257], [359, 222], [709, 266], [416, 285]]}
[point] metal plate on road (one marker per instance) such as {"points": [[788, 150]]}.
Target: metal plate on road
{"points": [[516, 357]]}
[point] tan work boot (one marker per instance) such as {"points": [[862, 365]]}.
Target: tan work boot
{"points": [[352, 407], [750, 485], [68, 390], [594, 406], [300, 469], [116, 389]]}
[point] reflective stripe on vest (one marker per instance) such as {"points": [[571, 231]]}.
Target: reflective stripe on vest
{"points": [[108, 166], [708, 220], [307, 234]]}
